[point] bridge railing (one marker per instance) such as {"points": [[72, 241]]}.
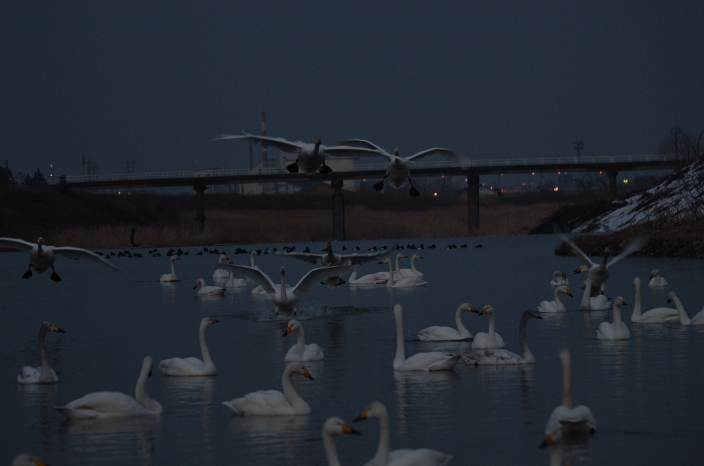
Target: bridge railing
{"points": [[566, 161]]}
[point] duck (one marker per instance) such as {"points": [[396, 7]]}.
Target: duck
{"points": [[556, 305], [698, 318], [430, 361], [491, 340], [405, 282], [330, 258], [495, 357], [383, 457], [559, 278], [42, 257], [171, 277], [43, 374], [656, 279], [222, 274], [438, 333], [333, 427], [658, 315], [207, 290], [300, 351], [564, 419], [192, 366], [107, 405], [272, 402], [616, 330]]}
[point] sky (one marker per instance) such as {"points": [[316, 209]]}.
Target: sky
{"points": [[155, 81]]}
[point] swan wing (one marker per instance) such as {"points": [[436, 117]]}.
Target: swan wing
{"points": [[363, 143], [102, 405], [304, 256], [579, 420], [419, 457], [313, 277], [280, 143], [80, 253], [255, 274], [311, 352], [15, 243], [575, 248], [431, 361], [634, 246], [438, 333], [356, 259], [456, 158], [498, 357], [178, 366], [261, 403]]}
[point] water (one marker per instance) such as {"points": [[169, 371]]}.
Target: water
{"points": [[645, 393]]}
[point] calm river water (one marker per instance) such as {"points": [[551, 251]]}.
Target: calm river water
{"points": [[646, 393]]}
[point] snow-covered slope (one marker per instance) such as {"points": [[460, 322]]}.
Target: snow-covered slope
{"points": [[679, 197]]}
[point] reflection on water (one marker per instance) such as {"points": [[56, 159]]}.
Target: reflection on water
{"points": [[271, 436]]}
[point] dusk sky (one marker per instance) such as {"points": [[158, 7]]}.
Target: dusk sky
{"points": [[155, 81]]}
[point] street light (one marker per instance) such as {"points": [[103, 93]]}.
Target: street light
{"points": [[578, 146]]}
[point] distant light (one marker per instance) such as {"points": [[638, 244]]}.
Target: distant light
{"points": [[533, 173], [625, 181], [435, 194], [600, 172], [559, 173], [556, 189]]}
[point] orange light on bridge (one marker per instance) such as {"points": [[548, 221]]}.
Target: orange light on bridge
{"points": [[556, 189], [435, 194]]}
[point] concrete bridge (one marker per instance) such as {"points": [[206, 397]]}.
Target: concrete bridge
{"points": [[609, 165]]}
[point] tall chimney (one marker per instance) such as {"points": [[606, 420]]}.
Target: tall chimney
{"points": [[263, 134]]}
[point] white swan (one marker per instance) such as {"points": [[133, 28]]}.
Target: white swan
{"points": [[106, 405], [235, 282], [25, 459], [566, 420], [556, 305], [616, 330], [431, 361], [44, 373], [489, 340], [592, 303], [656, 280], [42, 257], [272, 402], [659, 315], [493, 357], [221, 274], [207, 290], [398, 170], [383, 457], [192, 366], [684, 319], [171, 277], [333, 427], [378, 278], [438, 333], [300, 351], [412, 272], [285, 299], [559, 278], [404, 282]]}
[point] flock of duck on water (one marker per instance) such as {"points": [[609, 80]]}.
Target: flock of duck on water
{"points": [[487, 347]]}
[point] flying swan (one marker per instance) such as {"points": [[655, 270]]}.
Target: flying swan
{"points": [[556, 305], [489, 340], [192, 366], [44, 373], [437, 333], [592, 303], [171, 277], [300, 351], [431, 361], [616, 330], [493, 357]]}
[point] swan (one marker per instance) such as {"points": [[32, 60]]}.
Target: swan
{"points": [[43, 374], [556, 305], [656, 280], [42, 257], [431, 361], [592, 303], [437, 333], [105, 405], [383, 457], [405, 282], [600, 272], [25, 459], [398, 169], [171, 277], [566, 420], [698, 319], [272, 402], [378, 278], [235, 282], [493, 357], [207, 290], [412, 272], [300, 351], [285, 299], [616, 330], [659, 315], [559, 278], [489, 340], [334, 426], [222, 274], [192, 366]]}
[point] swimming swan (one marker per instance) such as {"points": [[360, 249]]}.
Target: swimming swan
{"points": [[616, 330], [489, 340], [25, 459], [207, 290], [656, 279], [412, 272], [698, 319], [42, 257], [333, 427], [559, 278], [285, 299], [171, 277], [192, 366], [272, 402], [493, 357], [235, 282], [221, 274], [405, 282], [566, 420], [378, 278], [659, 315], [431, 361], [300, 351], [437, 333], [44, 373], [405, 456], [556, 305], [592, 303], [106, 405]]}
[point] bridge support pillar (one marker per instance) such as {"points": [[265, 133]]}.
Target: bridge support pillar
{"points": [[612, 174], [200, 205], [473, 202], [338, 211]]}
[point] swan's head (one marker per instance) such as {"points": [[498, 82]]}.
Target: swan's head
{"points": [[671, 296], [335, 426], [531, 313], [564, 356], [582, 269], [49, 327], [466, 307], [27, 460], [375, 410], [282, 270], [636, 281], [398, 309], [299, 368], [619, 300], [416, 256], [292, 325], [200, 281], [402, 256], [396, 152], [564, 289], [655, 273], [207, 321], [318, 140], [486, 310], [254, 252], [385, 261], [175, 257]]}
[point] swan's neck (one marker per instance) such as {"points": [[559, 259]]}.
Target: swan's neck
{"points": [[140, 393], [492, 327], [42, 350], [390, 281], [522, 341], [251, 260], [400, 352], [290, 393], [382, 451], [684, 318], [398, 269], [618, 322], [220, 260], [300, 340], [636, 304], [460, 327], [353, 277], [558, 302], [282, 291], [204, 346], [330, 450], [231, 281], [585, 305], [413, 265], [173, 273], [566, 390]]}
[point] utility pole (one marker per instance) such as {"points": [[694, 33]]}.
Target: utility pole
{"points": [[578, 146], [676, 131]]}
